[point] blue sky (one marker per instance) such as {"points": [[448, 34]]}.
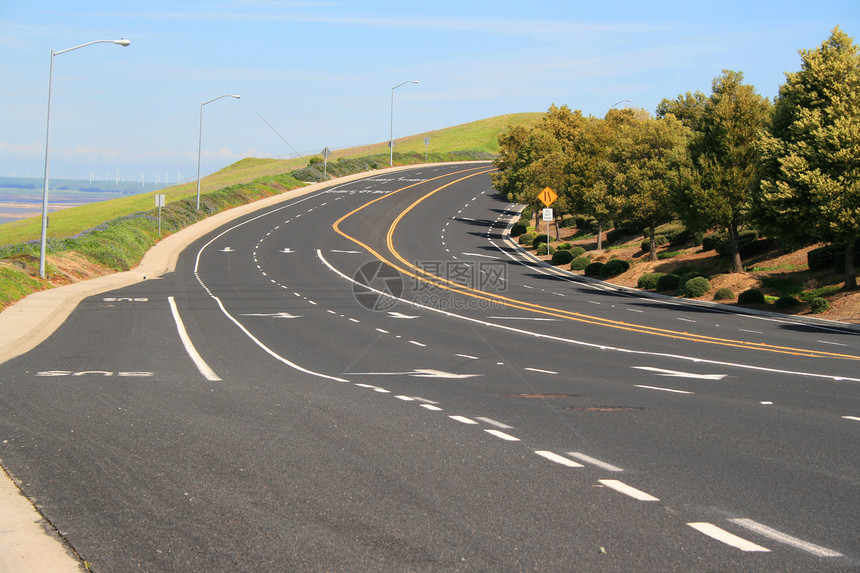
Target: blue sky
{"points": [[316, 74]]}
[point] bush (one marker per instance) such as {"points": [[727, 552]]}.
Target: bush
{"points": [[830, 257], [668, 282], [751, 296], [696, 287], [577, 251], [659, 241], [786, 302], [593, 269], [648, 281], [561, 257], [724, 294], [527, 214], [543, 247], [667, 255], [542, 238], [710, 241], [613, 267], [527, 239], [747, 244], [564, 247], [579, 263], [518, 229], [820, 305]]}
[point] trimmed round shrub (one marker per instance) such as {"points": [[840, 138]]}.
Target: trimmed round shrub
{"points": [[648, 281], [543, 249], [579, 263], [696, 287], [577, 251], [518, 229], [561, 257], [819, 305], [613, 267], [786, 302], [668, 282], [659, 241], [541, 238], [527, 239], [527, 214], [751, 296], [724, 294], [593, 269], [564, 247], [710, 241]]}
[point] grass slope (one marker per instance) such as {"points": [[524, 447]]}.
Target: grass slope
{"points": [[479, 135]]}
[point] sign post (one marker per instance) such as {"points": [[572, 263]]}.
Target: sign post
{"points": [[548, 197], [325, 153], [159, 202]]}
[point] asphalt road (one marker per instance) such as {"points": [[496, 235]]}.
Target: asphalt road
{"points": [[284, 401]]}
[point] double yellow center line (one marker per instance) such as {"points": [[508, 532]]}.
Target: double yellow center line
{"points": [[409, 269]]}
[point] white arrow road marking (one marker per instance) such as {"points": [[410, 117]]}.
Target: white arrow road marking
{"points": [[226, 250], [417, 373], [719, 534], [392, 314], [274, 315], [676, 374]]}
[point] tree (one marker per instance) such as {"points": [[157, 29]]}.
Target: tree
{"points": [[718, 187], [810, 154], [649, 155], [686, 108], [590, 169]]}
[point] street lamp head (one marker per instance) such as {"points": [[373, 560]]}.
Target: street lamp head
{"points": [[122, 42], [237, 96]]}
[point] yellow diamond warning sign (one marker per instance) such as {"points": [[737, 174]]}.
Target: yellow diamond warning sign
{"points": [[547, 196]]}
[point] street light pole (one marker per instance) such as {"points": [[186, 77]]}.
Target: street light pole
{"points": [[391, 132], [44, 239], [200, 141]]}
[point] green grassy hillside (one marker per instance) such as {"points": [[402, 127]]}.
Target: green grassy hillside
{"points": [[480, 135]]}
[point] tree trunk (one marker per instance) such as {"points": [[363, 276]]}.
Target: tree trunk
{"points": [[599, 234], [850, 269], [737, 264], [652, 243]]}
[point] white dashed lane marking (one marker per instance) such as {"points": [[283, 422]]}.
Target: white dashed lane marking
{"points": [[553, 457], [628, 490], [724, 536], [781, 537]]}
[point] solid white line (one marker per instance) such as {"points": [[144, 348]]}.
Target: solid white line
{"points": [[503, 435], [553, 457], [594, 461], [781, 537], [585, 344], [627, 490], [463, 419], [201, 365], [495, 423], [663, 389], [541, 371], [715, 532]]}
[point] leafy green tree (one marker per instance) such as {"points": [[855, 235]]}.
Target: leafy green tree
{"points": [[648, 155], [810, 154], [686, 108], [590, 170], [718, 187]]}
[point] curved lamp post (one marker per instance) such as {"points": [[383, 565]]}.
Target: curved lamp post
{"points": [[616, 103], [121, 42], [200, 141], [391, 132]]}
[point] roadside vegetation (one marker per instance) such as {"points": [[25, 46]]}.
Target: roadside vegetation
{"points": [[109, 236], [733, 182]]}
